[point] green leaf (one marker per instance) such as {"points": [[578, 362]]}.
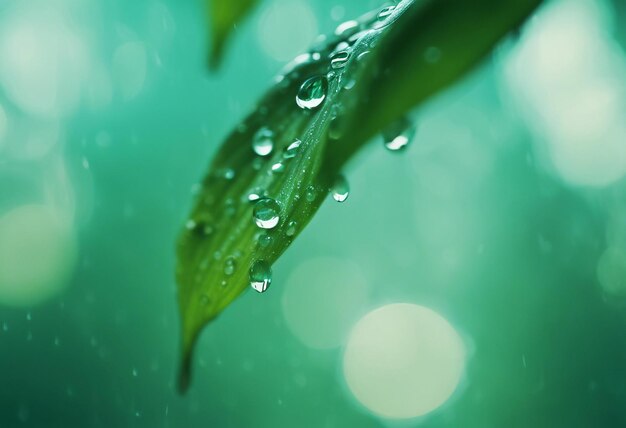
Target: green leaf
{"points": [[222, 16], [394, 63]]}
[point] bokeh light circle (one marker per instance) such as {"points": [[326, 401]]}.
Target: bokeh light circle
{"points": [[322, 299], [37, 255], [403, 360]]}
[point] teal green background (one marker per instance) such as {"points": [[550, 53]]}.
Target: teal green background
{"points": [[466, 222]]}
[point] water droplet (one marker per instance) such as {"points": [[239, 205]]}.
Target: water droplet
{"points": [[204, 299], [263, 142], [292, 150], [339, 59], [341, 189], [278, 167], [346, 28], [291, 228], [362, 55], [349, 84], [311, 193], [264, 240], [191, 224], [260, 276], [385, 12], [312, 92], [256, 194], [266, 213], [398, 135], [229, 266]]}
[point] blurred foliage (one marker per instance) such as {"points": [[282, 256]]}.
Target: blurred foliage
{"points": [[223, 15]]}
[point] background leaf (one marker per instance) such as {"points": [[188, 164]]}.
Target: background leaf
{"points": [[396, 59], [222, 16]]}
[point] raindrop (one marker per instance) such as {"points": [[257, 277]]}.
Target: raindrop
{"points": [[385, 12], [266, 213], [312, 92], [256, 194], [311, 193], [229, 266], [341, 189], [291, 228], [228, 173], [263, 142], [398, 135], [278, 167], [339, 59], [264, 240], [191, 224], [260, 276], [349, 84], [292, 150]]}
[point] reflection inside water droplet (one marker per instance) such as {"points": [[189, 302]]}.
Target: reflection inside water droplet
{"points": [[312, 92]]}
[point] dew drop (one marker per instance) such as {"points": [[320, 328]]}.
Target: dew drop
{"points": [[264, 240], [191, 224], [341, 189], [266, 213], [311, 193], [398, 135], [229, 266], [312, 92], [292, 150], [291, 228], [339, 59], [260, 276], [256, 194], [278, 167], [385, 12], [263, 142]]}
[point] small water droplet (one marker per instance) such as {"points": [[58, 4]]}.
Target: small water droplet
{"points": [[266, 213], [339, 59], [228, 173], [292, 150], [260, 276], [256, 194], [362, 55], [311, 193], [191, 224], [263, 142], [385, 12], [264, 240], [291, 228], [312, 92], [204, 299], [341, 189], [229, 266], [398, 135], [349, 84], [278, 167]]}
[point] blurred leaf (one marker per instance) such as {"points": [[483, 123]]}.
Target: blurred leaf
{"points": [[394, 62], [223, 15]]}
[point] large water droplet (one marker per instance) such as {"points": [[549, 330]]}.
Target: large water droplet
{"points": [[263, 142], [266, 213], [229, 266], [341, 189], [260, 276], [312, 92], [292, 150], [339, 59], [398, 135]]}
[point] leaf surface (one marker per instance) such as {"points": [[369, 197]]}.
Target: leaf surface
{"points": [[394, 60]]}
